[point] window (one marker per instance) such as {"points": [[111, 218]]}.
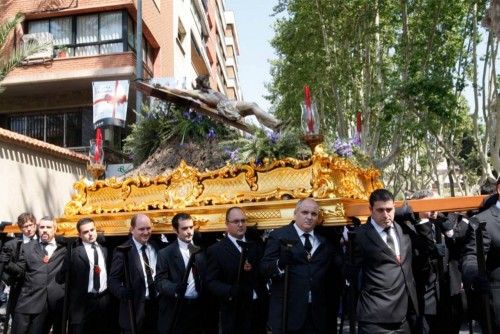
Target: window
{"points": [[63, 129], [85, 35], [93, 34]]}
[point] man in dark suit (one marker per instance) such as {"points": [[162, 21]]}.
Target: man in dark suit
{"points": [[40, 302], [141, 258], [86, 267], [10, 252], [179, 299], [383, 252], [314, 274], [491, 241], [233, 276]]}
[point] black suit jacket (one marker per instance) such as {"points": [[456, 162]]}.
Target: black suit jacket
{"points": [[39, 285], [13, 247], [116, 283], [386, 284], [223, 263], [79, 271], [321, 276], [491, 243], [170, 270]]}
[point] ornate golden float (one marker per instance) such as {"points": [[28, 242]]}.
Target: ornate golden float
{"points": [[267, 192]]}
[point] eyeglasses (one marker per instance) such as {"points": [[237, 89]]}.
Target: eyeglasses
{"points": [[238, 221]]}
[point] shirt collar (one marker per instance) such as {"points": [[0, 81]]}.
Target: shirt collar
{"points": [[498, 204], [138, 245], [233, 239], [26, 239], [51, 242], [183, 244], [378, 228], [86, 244], [301, 233]]}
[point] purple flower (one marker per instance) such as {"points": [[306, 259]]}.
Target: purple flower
{"points": [[273, 137], [233, 155], [343, 149], [211, 133], [357, 139]]}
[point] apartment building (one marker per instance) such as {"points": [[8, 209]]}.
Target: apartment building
{"points": [[50, 97]]}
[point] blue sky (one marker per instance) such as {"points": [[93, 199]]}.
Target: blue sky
{"points": [[254, 25]]}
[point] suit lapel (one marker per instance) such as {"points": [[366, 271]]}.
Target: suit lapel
{"points": [[377, 239], [231, 248], [82, 254], [178, 260], [292, 235], [39, 250], [402, 244], [134, 253]]}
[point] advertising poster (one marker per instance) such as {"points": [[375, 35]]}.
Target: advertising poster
{"points": [[110, 102]]}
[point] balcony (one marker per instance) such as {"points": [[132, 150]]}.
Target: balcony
{"points": [[63, 82]]}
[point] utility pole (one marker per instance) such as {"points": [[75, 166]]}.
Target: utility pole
{"points": [[139, 69]]}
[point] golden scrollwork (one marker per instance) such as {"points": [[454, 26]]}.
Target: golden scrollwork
{"points": [[323, 176]]}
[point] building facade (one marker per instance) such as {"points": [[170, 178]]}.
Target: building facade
{"points": [[50, 97]]}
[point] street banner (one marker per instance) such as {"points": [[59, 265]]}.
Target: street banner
{"points": [[110, 102]]}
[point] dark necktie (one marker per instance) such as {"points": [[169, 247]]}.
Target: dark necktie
{"points": [[307, 243], [390, 240], [196, 277], [97, 270], [44, 247], [149, 273]]}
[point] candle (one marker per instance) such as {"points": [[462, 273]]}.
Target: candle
{"points": [[98, 143], [307, 102]]}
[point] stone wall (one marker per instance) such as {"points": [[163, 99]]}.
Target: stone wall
{"points": [[35, 179]]}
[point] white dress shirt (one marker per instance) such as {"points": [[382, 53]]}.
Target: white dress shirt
{"points": [[312, 238], [191, 292], [50, 248], [102, 265], [26, 239], [151, 253], [383, 235]]}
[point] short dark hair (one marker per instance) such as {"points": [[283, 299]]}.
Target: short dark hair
{"points": [[178, 217], [24, 218], [83, 221], [382, 195], [228, 212], [423, 193]]}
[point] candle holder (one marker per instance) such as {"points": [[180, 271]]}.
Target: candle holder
{"points": [[96, 166], [310, 125]]}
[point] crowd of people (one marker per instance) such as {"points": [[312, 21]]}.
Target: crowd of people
{"points": [[400, 272]]}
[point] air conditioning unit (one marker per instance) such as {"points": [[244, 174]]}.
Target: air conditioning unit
{"points": [[42, 38]]}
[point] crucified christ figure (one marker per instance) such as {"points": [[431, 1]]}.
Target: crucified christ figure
{"points": [[233, 110]]}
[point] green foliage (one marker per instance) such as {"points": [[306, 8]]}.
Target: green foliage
{"points": [[12, 59], [266, 145], [165, 123], [401, 64]]}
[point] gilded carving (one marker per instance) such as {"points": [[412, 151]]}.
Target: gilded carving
{"points": [[324, 177]]}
